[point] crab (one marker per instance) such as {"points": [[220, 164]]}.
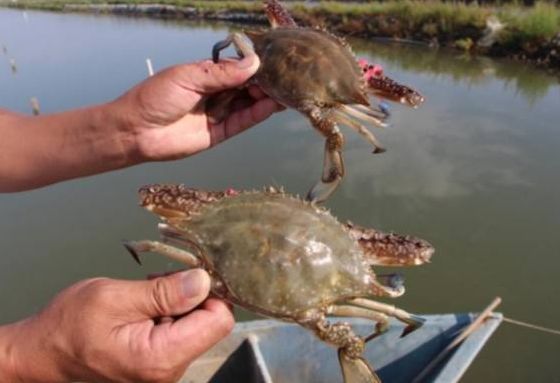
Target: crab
{"points": [[286, 258], [317, 74]]}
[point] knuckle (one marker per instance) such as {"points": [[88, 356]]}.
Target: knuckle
{"points": [[161, 296], [98, 290]]}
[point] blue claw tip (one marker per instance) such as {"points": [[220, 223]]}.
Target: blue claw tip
{"points": [[384, 107], [394, 281]]}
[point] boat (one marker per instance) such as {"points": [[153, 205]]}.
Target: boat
{"points": [[270, 351]]}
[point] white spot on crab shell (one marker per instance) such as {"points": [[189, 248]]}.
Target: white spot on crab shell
{"points": [[368, 279], [319, 253]]}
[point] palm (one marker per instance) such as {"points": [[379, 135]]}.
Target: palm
{"points": [[172, 119]]}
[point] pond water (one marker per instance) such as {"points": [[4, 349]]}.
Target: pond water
{"points": [[475, 171]]}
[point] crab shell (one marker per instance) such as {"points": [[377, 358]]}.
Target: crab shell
{"points": [[275, 254], [304, 65]]}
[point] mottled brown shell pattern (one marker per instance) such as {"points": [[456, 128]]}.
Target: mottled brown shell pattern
{"points": [[305, 65], [277, 253]]}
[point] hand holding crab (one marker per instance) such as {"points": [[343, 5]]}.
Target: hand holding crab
{"points": [[107, 330], [285, 258], [163, 118], [317, 74], [168, 112]]}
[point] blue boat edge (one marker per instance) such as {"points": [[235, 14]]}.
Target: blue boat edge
{"points": [[268, 351]]}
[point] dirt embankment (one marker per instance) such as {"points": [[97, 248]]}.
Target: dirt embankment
{"points": [[481, 34], [483, 39]]}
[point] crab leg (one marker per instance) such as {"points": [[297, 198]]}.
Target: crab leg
{"points": [[355, 369], [241, 46], [343, 119], [333, 164], [377, 121], [382, 321], [333, 168], [179, 255], [380, 114], [413, 321]]}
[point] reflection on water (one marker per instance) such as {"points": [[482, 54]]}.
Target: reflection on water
{"points": [[474, 171], [463, 68]]}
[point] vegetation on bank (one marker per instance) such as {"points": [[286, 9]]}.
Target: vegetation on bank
{"points": [[531, 33]]}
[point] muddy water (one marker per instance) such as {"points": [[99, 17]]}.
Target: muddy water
{"points": [[475, 171]]}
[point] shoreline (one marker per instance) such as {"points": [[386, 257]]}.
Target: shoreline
{"points": [[480, 33]]}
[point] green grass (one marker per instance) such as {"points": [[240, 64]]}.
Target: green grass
{"points": [[449, 21], [540, 21]]}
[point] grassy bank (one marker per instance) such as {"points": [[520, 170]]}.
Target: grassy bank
{"points": [[527, 33]]}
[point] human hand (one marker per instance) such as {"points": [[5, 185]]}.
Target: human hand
{"points": [[109, 330], [168, 113]]}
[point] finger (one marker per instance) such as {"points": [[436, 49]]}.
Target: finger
{"points": [[256, 92], [162, 320], [172, 295], [207, 77], [198, 331], [243, 119], [162, 274], [241, 103]]}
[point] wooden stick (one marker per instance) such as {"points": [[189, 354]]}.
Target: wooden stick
{"points": [[13, 65], [459, 339], [150, 67], [35, 106]]}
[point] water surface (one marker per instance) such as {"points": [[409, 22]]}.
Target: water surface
{"points": [[474, 171]]}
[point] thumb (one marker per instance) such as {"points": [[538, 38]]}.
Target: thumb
{"points": [[207, 77], [175, 294]]}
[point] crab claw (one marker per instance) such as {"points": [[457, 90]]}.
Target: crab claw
{"points": [[386, 88], [415, 323], [362, 62], [370, 70]]}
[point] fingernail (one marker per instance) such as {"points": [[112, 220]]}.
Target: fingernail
{"points": [[248, 62], [195, 283]]}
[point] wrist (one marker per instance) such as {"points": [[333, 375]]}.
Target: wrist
{"points": [[25, 356], [113, 118], [7, 355]]}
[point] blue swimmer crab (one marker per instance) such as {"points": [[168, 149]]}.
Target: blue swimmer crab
{"points": [[317, 74], [288, 259]]}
